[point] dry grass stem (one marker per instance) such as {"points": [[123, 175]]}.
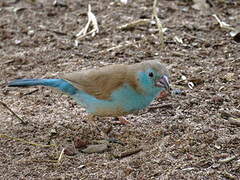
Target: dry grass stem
{"points": [[222, 24], [228, 159], [31, 92], [91, 20], [20, 119], [25, 141], [159, 24], [60, 156], [133, 24]]}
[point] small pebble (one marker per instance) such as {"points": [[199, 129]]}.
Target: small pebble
{"points": [[70, 150], [80, 143]]}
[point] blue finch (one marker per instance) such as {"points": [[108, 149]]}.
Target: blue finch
{"points": [[113, 90]]}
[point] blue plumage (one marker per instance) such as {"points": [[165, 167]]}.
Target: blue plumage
{"points": [[123, 101], [60, 84]]}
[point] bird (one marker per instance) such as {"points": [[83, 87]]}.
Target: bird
{"points": [[112, 90]]}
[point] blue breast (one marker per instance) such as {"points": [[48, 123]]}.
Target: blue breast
{"points": [[123, 101]]}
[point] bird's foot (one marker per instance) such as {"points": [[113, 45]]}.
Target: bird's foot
{"points": [[91, 120], [163, 95]]}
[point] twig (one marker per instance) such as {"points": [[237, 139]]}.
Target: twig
{"points": [[113, 140], [91, 19], [60, 156], [195, 37], [159, 24], [20, 119], [58, 32], [31, 92], [229, 175], [161, 106], [134, 24], [234, 121], [222, 24], [211, 3], [44, 161], [24, 141], [228, 159], [179, 54]]}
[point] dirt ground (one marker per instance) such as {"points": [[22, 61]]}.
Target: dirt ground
{"points": [[192, 135]]}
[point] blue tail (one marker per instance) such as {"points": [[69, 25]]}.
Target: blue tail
{"points": [[60, 84]]}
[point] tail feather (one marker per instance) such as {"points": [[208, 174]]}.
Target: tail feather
{"points": [[60, 84], [28, 82]]}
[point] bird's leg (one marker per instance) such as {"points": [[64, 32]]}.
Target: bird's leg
{"points": [[91, 120], [122, 120], [163, 95]]}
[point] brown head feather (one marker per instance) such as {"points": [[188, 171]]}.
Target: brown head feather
{"points": [[154, 64]]}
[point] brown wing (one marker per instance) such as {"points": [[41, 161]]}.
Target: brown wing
{"points": [[103, 81]]}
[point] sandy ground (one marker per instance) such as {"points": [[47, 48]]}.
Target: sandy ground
{"points": [[194, 135]]}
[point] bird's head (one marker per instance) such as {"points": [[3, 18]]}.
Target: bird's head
{"points": [[153, 77]]}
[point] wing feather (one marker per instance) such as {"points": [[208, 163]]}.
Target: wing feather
{"points": [[103, 81]]}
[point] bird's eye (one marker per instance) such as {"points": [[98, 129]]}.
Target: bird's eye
{"points": [[150, 74]]}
